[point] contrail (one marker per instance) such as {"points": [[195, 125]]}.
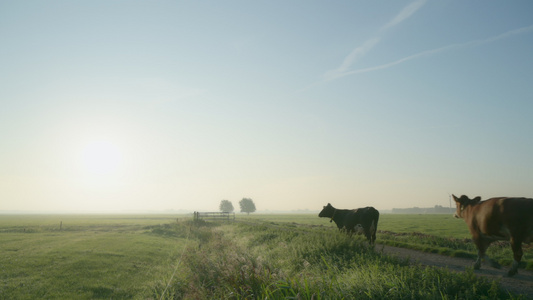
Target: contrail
{"points": [[350, 59], [360, 51], [408, 11], [507, 34]]}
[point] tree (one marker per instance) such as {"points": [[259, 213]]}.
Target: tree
{"points": [[226, 206], [247, 205]]}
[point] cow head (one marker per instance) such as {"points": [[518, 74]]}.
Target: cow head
{"points": [[327, 211], [463, 202]]}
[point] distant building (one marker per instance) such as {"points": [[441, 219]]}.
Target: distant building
{"points": [[438, 209]]}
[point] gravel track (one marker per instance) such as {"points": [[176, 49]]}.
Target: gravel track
{"points": [[521, 283]]}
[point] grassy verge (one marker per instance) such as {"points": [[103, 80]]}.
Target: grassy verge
{"points": [[261, 261], [499, 251], [437, 233]]}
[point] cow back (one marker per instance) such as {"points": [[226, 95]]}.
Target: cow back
{"points": [[366, 217], [502, 218]]}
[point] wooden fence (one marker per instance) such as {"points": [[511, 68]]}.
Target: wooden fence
{"points": [[214, 216]]}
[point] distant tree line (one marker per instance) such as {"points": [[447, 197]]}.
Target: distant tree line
{"points": [[247, 205], [438, 209]]}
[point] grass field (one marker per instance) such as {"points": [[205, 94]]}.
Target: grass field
{"points": [[91, 257], [259, 256], [435, 224]]}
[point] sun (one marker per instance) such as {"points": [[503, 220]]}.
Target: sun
{"points": [[101, 157]]}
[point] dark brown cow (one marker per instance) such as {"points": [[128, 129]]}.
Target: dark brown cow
{"points": [[501, 218], [361, 220]]}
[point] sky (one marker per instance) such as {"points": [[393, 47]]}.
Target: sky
{"points": [[176, 105]]}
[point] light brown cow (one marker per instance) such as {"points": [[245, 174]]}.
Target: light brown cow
{"points": [[501, 218]]}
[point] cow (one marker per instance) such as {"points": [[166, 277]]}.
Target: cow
{"points": [[501, 218], [361, 220]]}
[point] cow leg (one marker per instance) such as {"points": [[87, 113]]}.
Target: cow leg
{"points": [[482, 246], [368, 235], [373, 230], [516, 245], [477, 263]]}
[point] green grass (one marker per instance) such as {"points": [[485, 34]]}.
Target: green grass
{"points": [[257, 257], [271, 261], [433, 233], [432, 224], [93, 257]]}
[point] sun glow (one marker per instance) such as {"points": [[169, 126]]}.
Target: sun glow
{"points": [[101, 158]]}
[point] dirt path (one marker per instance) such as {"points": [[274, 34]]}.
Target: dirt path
{"points": [[521, 283]]}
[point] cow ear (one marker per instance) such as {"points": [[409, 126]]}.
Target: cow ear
{"points": [[461, 200], [477, 199]]}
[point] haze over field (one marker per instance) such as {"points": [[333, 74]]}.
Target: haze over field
{"points": [[130, 105]]}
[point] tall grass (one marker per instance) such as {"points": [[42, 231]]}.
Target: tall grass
{"points": [[244, 261], [434, 233]]}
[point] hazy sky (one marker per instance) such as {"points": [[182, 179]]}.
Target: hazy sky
{"points": [[155, 105]]}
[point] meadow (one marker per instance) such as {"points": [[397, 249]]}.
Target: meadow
{"points": [[256, 257], [89, 257]]}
